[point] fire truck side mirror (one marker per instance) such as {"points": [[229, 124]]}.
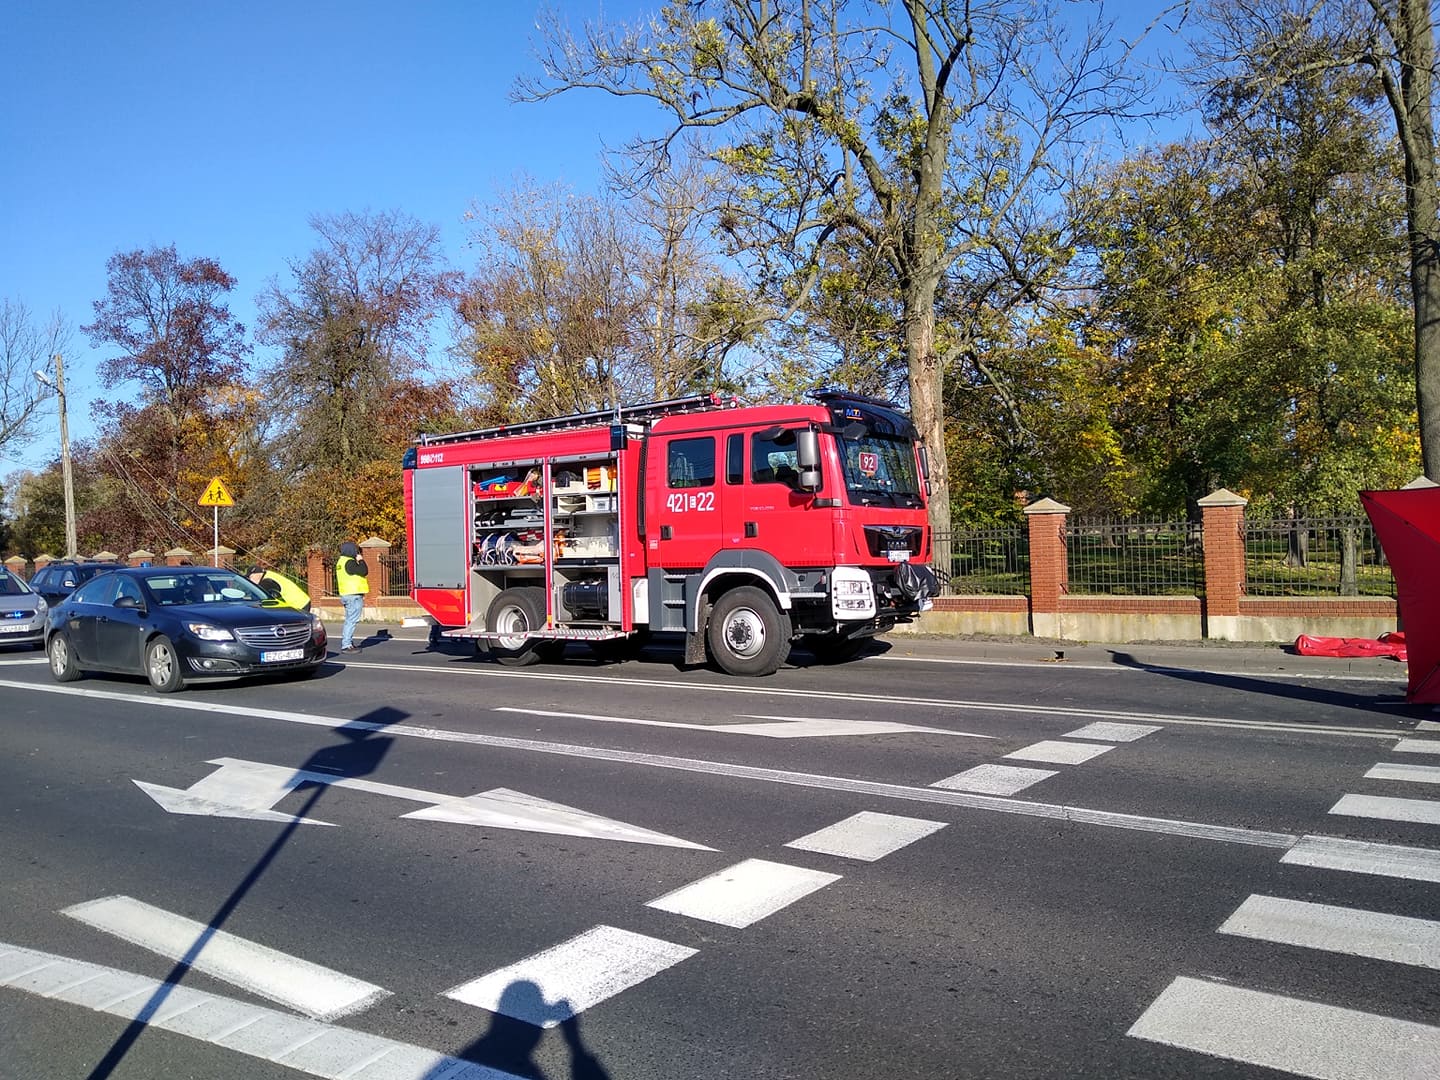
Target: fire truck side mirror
{"points": [[807, 456], [925, 468]]}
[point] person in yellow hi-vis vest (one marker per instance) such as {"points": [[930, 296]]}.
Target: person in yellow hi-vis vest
{"points": [[352, 583], [286, 590]]}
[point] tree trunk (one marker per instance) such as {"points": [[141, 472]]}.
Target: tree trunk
{"points": [[927, 409]]}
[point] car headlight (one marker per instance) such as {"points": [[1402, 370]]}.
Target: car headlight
{"points": [[208, 632], [41, 606]]}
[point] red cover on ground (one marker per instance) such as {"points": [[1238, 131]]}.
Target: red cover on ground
{"points": [[1384, 645]]}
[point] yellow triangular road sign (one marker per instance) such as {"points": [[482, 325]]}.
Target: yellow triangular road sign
{"points": [[216, 494]]}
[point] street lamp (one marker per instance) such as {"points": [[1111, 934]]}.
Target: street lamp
{"points": [[59, 387]]}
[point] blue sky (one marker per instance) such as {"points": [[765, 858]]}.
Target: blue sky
{"points": [[222, 127]]}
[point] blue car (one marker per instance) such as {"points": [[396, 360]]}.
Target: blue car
{"points": [[179, 624]]}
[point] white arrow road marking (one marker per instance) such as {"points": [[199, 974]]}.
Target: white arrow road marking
{"points": [[783, 728], [244, 789], [247, 788], [316, 991], [307, 1046], [1288, 1034], [744, 893], [867, 835], [572, 976]]}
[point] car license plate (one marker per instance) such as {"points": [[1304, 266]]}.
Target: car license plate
{"points": [[15, 628], [280, 655], [903, 555]]}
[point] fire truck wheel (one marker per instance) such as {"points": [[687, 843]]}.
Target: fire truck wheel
{"points": [[748, 634], [513, 612]]}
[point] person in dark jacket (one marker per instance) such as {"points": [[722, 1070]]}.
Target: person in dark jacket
{"points": [[351, 584]]}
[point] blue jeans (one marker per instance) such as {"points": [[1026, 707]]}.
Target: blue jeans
{"points": [[354, 604]]}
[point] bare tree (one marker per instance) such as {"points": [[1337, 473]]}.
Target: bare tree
{"points": [[908, 139], [25, 347]]}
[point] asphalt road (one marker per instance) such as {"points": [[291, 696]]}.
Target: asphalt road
{"points": [[936, 861]]}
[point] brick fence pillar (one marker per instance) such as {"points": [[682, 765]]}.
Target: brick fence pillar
{"points": [[1049, 567], [179, 556], [42, 561], [140, 557], [316, 583], [1223, 521], [16, 565], [223, 557]]}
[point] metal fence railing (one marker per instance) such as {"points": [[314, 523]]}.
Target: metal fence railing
{"points": [[990, 560], [1315, 556], [1134, 557], [389, 575]]}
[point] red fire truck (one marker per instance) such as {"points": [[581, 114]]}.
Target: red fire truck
{"points": [[740, 528]]}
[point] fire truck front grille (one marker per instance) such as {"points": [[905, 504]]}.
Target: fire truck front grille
{"points": [[883, 539]]}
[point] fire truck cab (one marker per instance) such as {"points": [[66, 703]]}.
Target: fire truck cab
{"points": [[740, 528]]}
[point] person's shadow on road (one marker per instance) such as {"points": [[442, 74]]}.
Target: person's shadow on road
{"points": [[519, 1024]]}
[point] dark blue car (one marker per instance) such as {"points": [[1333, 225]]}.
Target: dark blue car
{"points": [[178, 624]]}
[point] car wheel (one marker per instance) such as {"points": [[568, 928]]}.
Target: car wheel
{"points": [[747, 633], [62, 659], [513, 612], [162, 666]]}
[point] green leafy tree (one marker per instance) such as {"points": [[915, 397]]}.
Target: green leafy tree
{"points": [[910, 138]]}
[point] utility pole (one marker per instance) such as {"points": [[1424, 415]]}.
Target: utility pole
{"points": [[69, 478]]}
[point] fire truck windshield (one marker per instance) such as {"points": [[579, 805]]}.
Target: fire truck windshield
{"points": [[880, 470]]}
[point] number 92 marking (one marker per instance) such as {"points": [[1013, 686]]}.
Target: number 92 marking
{"points": [[678, 502]]}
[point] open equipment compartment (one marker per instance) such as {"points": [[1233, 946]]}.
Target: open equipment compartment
{"points": [[584, 506]]}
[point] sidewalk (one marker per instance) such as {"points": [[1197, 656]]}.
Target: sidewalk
{"points": [[1212, 656]]}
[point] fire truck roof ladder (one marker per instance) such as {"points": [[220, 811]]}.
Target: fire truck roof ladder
{"points": [[650, 410]]}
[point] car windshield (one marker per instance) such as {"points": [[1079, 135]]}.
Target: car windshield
{"points": [[203, 587], [70, 576], [10, 585]]}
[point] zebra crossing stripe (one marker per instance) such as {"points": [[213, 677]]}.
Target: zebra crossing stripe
{"points": [[1364, 857], [1396, 938], [254, 1030], [1108, 732], [1418, 746], [1300, 1037], [308, 988], [1417, 774], [994, 779], [1059, 753], [1420, 811], [552, 986], [744, 893], [867, 835]]}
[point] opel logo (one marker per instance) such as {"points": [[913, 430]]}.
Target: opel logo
{"points": [[279, 631]]}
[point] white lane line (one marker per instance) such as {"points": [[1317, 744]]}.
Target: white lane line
{"points": [[1059, 753], [1428, 725], [994, 779], [1420, 811], [869, 701], [1138, 668], [867, 835], [744, 893], [1363, 857], [969, 800], [1418, 746], [254, 1030], [780, 727], [1108, 732], [1301, 1037], [316, 991], [552, 986], [7, 662], [1396, 938], [1417, 774]]}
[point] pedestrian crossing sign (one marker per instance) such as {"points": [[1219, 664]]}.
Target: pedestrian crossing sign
{"points": [[216, 494]]}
